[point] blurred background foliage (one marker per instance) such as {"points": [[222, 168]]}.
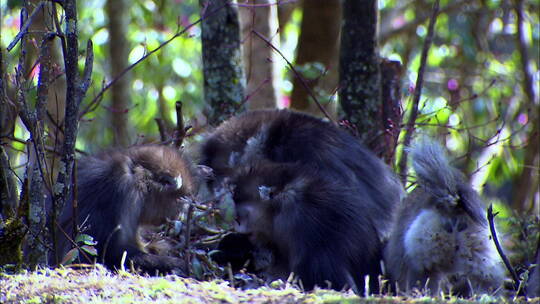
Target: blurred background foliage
{"points": [[476, 97]]}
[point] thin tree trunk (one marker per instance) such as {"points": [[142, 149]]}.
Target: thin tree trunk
{"points": [[260, 62], [119, 51], [318, 42], [224, 81], [390, 116], [528, 183], [285, 11], [360, 90]]}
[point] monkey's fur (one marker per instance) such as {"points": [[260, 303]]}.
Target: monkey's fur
{"points": [[307, 191], [440, 239], [533, 285], [120, 190]]}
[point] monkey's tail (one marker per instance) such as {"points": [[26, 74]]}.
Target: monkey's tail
{"points": [[433, 168], [439, 178]]}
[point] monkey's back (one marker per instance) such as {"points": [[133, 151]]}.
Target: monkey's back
{"points": [[285, 136], [343, 197], [119, 190]]}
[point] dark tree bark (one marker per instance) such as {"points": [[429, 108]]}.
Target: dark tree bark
{"points": [[259, 59], [318, 42], [390, 115], [527, 184], [359, 91], [119, 52], [75, 91], [37, 237], [8, 114], [285, 10], [224, 82]]}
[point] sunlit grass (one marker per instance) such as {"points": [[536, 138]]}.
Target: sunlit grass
{"points": [[97, 285]]}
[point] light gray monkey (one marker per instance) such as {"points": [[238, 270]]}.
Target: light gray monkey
{"points": [[440, 237]]}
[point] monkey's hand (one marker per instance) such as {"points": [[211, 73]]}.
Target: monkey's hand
{"points": [[156, 264]]}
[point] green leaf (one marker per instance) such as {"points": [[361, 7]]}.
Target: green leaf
{"points": [[85, 239], [89, 249], [70, 256]]}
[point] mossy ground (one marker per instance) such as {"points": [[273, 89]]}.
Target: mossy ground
{"points": [[97, 285]]}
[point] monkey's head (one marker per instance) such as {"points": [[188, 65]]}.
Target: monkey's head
{"points": [[163, 176], [261, 191], [446, 188]]}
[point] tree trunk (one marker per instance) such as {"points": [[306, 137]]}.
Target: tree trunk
{"points": [[36, 249], [260, 61], [318, 43], [359, 92], [119, 52], [527, 184], [224, 81], [390, 116]]}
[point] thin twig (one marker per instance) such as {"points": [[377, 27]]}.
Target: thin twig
{"points": [[162, 129], [26, 25], [88, 65], [180, 128], [490, 218], [417, 92], [19, 79], [187, 237], [296, 74], [75, 201], [133, 65]]}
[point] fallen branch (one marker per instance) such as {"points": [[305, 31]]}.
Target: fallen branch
{"points": [[417, 93]]}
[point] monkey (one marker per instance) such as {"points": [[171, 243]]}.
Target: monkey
{"points": [[533, 284], [440, 237], [122, 190], [315, 227], [234, 249], [309, 193]]}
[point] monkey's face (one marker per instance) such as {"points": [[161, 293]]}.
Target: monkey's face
{"points": [[258, 200], [254, 213], [164, 178]]}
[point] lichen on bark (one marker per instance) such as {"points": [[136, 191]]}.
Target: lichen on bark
{"points": [[224, 83], [360, 91]]}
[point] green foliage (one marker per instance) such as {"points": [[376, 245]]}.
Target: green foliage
{"points": [[84, 243], [473, 98]]}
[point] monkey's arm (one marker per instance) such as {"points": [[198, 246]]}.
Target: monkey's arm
{"points": [[145, 262], [149, 263]]}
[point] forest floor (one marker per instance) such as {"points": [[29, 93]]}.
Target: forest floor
{"points": [[98, 285]]}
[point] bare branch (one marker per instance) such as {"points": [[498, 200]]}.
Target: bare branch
{"points": [[528, 84], [73, 98], [180, 128], [187, 237], [417, 92], [24, 29], [179, 33], [24, 112], [296, 74], [162, 129], [490, 218], [88, 65], [44, 72]]}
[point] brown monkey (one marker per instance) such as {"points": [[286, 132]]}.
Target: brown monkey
{"points": [[440, 237], [120, 190], [309, 193]]}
